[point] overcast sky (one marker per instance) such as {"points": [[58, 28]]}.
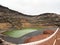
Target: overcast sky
{"points": [[33, 7]]}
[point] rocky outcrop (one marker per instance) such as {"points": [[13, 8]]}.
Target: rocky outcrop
{"points": [[48, 32]]}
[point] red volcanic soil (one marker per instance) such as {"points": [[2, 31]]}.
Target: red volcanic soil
{"points": [[45, 34], [35, 38]]}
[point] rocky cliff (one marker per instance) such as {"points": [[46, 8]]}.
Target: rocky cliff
{"points": [[10, 19]]}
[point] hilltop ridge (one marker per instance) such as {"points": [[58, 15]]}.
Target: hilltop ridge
{"points": [[10, 19]]}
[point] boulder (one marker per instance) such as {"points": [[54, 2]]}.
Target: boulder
{"points": [[48, 31]]}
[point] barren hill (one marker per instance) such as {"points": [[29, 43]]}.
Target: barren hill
{"points": [[10, 19]]}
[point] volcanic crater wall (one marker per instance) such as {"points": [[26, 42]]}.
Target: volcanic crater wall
{"points": [[10, 19]]}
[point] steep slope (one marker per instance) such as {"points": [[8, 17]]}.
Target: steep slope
{"points": [[10, 19], [14, 18]]}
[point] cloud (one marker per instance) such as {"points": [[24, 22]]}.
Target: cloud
{"points": [[33, 7]]}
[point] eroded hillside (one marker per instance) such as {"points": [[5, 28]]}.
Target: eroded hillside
{"points": [[10, 19]]}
